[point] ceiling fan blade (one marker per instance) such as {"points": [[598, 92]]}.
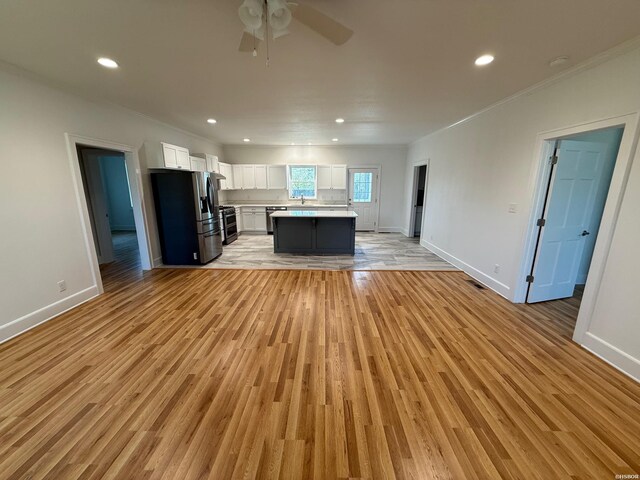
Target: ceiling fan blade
{"points": [[322, 24], [248, 42]]}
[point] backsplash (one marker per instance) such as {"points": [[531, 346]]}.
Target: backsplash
{"points": [[278, 196]]}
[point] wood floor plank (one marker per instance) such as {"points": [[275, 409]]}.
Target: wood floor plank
{"points": [[196, 374]]}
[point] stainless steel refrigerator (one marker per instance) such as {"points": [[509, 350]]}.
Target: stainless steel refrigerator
{"points": [[186, 205]]}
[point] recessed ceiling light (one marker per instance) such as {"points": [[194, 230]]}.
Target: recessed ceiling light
{"points": [[484, 60], [334, 139], [246, 139], [292, 143], [212, 121], [309, 143], [107, 62], [339, 120]]}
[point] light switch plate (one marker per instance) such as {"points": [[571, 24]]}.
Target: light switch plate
{"points": [[513, 208]]}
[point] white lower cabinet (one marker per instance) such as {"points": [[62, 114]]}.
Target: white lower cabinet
{"points": [[254, 219], [248, 222]]}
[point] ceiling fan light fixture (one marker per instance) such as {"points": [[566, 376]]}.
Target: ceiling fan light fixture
{"points": [[250, 13], [279, 17]]}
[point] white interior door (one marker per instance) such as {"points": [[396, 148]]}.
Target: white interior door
{"points": [[363, 197], [98, 209], [570, 204]]}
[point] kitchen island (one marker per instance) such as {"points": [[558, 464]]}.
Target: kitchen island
{"points": [[314, 232]]}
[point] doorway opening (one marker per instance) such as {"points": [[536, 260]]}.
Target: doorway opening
{"points": [[364, 185], [576, 186], [418, 200], [106, 184]]}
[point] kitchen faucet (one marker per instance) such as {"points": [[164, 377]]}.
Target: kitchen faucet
{"points": [[302, 198]]}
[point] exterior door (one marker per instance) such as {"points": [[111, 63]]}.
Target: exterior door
{"points": [[570, 205], [363, 197], [98, 207]]}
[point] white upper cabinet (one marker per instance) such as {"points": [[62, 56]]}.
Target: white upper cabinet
{"points": [[227, 171], [339, 177], [238, 178], [260, 175], [332, 177], [324, 177], [248, 177], [277, 177], [198, 164], [183, 159], [213, 165], [165, 155]]}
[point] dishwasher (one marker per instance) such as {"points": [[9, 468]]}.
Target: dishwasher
{"points": [[269, 211]]}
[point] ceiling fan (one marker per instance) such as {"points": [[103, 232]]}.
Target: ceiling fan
{"points": [[261, 17]]}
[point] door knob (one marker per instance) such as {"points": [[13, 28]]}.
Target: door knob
{"points": [[584, 233]]}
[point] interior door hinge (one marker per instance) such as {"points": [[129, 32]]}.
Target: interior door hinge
{"points": [[554, 159], [529, 278], [541, 222]]}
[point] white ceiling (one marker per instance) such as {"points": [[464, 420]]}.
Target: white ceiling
{"points": [[407, 70]]}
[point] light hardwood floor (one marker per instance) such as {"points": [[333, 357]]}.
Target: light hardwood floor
{"points": [[193, 374]]}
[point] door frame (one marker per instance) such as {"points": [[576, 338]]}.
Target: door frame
{"points": [[414, 196], [545, 143], [135, 187], [378, 169]]}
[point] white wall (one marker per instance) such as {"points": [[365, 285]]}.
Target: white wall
{"points": [[480, 166], [42, 240], [392, 160]]}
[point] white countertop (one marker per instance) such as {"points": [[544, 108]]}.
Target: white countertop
{"points": [[288, 205], [312, 214]]}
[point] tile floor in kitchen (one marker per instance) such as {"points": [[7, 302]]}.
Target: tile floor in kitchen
{"points": [[374, 251]]}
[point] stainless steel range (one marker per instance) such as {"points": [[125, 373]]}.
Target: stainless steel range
{"points": [[229, 224]]}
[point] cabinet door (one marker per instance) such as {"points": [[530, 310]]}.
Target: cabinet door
{"points": [[324, 177], [260, 172], [277, 177], [239, 222], [248, 221], [260, 220], [248, 177], [170, 155], [183, 159], [238, 178], [339, 177], [198, 164], [223, 171], [212, 164]]}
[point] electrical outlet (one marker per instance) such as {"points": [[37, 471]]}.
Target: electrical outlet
{"points": [[513, 208], [62, 285], [496, 268]]}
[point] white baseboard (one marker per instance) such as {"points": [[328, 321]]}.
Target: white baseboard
{"points": [[483, 278], [31, 320], [405, 232], [613, 356], [157, 262], [389, 230]]}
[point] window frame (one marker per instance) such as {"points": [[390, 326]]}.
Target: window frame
{"points": [[315, 181]]}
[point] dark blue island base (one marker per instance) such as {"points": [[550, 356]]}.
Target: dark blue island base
{"points": [[316, 236]]}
